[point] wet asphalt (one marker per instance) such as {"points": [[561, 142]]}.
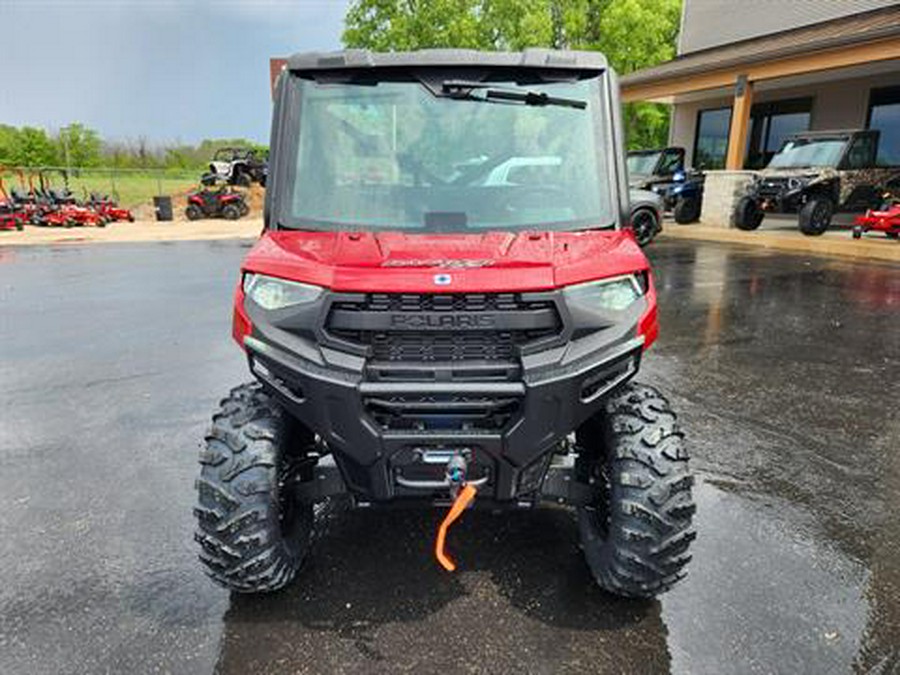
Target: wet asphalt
{"points": [[785, 371]]}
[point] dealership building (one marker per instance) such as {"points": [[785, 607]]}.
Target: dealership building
{"points": [[750, 72]]}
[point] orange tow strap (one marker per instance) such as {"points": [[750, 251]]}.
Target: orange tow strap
{"points": [[462, 501]]}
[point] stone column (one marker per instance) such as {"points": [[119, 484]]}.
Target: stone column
{"points": [[721, 193]]}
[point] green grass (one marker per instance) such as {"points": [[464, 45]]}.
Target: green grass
{"points": [[133, 189]]}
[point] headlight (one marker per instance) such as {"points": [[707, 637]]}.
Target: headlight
{"points": [[271, 293], [615, 293]]}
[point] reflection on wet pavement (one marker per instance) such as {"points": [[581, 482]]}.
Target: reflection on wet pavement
{"points": [[783, 369]]}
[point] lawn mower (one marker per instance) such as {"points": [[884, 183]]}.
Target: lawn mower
{"points": [[11, 216], [61, 208], [422, 334], [217, 200], [886, 219], [108, 207]]}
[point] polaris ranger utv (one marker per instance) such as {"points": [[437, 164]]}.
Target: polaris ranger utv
{"points": [[816, 174], [421, 335]]}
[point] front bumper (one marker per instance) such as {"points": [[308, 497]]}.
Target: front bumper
{"points": [[539, 401]]}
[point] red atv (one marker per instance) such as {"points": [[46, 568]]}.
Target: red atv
{"points": [[420, 333], [216, 200], [886, 219]]}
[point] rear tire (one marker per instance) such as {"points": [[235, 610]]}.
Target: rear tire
{"points": [[242, 179], [254, 535], [636, 535], [687, 210], [815, 216], [231, 212], [747, 214]]}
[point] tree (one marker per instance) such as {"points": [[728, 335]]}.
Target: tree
{"points": [[33, 147], [8, 142], [78, 146], [633, 34]]}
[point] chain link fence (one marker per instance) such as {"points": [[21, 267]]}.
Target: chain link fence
{"points": [[130, 187]]}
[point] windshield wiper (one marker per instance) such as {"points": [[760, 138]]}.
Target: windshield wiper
{"points": [[463, 89]]}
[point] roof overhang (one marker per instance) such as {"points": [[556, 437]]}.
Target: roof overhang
{"points": [[864, 38]]}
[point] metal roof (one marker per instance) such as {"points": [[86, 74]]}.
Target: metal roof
{"points": [[846, 31], [428, 58]]}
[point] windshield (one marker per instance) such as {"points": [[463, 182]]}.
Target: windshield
{"points": [[643, 163], [402, 156], [804, 153]]}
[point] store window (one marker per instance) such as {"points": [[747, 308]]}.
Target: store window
{"points": [[770, 124], [884, 115], [711, 139]]}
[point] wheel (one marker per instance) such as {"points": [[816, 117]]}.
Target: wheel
{"points": [[857, 232], [231, 212], [645, 224], [815, 216], [244, 209], [636, 534], [130, 218], [193, 212], [747, 214], [687, 210], [242, 179], [253, 534]]}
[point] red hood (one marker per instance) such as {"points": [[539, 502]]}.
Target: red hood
{"points": [[397, 262]]}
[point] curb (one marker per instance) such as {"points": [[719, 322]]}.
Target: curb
{"points": [[832, 244]]}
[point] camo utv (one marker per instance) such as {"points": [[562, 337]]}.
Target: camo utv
{"points": [[817, 174]]}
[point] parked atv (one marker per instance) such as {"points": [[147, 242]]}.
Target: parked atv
{"points": [[815, 175], [685, 196], [419, 337], [216, 202], [239, 166]]}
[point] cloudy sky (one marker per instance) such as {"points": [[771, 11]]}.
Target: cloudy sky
{"points": [[165, 69]]}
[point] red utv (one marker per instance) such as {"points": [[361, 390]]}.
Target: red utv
{"points": [[217, 199], [421, 334]]}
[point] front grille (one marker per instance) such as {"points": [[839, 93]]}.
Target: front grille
{"points": [[771, 188], [449, 302], [393, 347], [434, 344], [441, 412]]}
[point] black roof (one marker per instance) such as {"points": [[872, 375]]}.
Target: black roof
{"points": [[530, 58]]}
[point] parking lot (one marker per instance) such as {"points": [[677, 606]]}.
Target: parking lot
{"points": [[784, 368]]}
